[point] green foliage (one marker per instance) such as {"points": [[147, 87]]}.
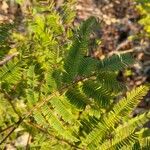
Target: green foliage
{"points": [[4, 32], [78, 50], [10, 73], [115, 63], [62, 97], [4, 36], [144, 9]]}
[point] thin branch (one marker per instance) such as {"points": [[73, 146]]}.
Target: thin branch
{"points": [[13, 129], [7, 128], [123, 44], [9, 98], [8, 58], [55, 93], [41, 103], [27, 115], [120, 52], [27, 145]]}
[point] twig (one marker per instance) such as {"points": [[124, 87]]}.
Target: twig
{"points": [[7, 58], [27, 145], [123, 44], [27, 115], [41, 103], [3, 130], [9, 98], [13, 129], [120, 52]]}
